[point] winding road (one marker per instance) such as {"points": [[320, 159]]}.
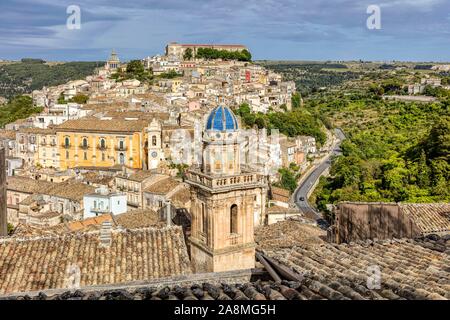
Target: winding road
{"points": [[301, 194]]}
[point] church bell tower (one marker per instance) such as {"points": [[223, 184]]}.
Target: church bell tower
{"points": [[223, 199]]}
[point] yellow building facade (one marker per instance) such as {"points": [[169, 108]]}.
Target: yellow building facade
{"points": [[106, 142]]}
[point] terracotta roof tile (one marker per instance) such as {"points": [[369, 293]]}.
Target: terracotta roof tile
{"points": [[408, 269], [133, 255], [163, 186], [287, 234], [28, 185], [429, 217], [139, 219], [93, 124], [70, 190], [84, 224], [181, 198]]}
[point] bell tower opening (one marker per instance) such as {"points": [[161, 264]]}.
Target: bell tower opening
{"points": [[234, 219]]}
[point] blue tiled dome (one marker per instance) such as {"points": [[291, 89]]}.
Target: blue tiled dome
{"points": [[221, 119]]}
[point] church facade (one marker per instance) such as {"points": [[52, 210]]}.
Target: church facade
{"points": [[224, 199]]}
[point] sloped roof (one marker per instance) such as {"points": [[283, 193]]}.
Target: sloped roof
{"points": [[138, 175], [89, 223], [181, 198], [341, 271], [70, 190], [96, 178], [337, 274], [28, 185], [287, 234], [279, 194], [45, 262], [138, 219], [93, 124], [429, 217], [162, 186]]}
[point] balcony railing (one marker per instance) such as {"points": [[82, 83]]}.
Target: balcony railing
{"points": [[84, 146], [100, 147], [67, 146], [121, 148], [100, 210]]}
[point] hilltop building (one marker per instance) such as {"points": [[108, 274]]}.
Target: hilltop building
{"points": [[177, 50], [113, 62]]}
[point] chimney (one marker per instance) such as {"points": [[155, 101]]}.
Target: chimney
{"points": [[3, 218], [168, 213], [105, 234]]}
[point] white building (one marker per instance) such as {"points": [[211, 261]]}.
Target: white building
{"points": [[58, 114], [307, 143], [103, 201]]}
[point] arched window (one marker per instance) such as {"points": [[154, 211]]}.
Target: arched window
{"points": [[234, 219], [102, 143], [153, 140], [85, 143], [66, 141]]}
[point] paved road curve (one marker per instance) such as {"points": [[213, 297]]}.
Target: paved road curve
{"points": [[300, 196]]}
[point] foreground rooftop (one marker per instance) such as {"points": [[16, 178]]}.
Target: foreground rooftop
{"points": [[42, 263]]}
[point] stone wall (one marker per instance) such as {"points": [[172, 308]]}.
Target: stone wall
{"points": [[363, 221]]}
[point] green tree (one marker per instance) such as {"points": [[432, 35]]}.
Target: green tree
{"points": [[296, 100], [212, 54], [135, 70], [20, 107], [423, 171], [437, 144], [135, 67], [80, 98], [169, 75], [61, 99], [10, 229], [187, 54], [287, 180]]}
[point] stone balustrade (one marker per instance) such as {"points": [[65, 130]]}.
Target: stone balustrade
{"points": [[225, 181]]}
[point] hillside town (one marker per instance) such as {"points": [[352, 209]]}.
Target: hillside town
{"points": [[161, 184], [129, 139]]}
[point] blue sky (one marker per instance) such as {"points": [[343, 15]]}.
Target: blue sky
{"points": [[411, 30]]}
